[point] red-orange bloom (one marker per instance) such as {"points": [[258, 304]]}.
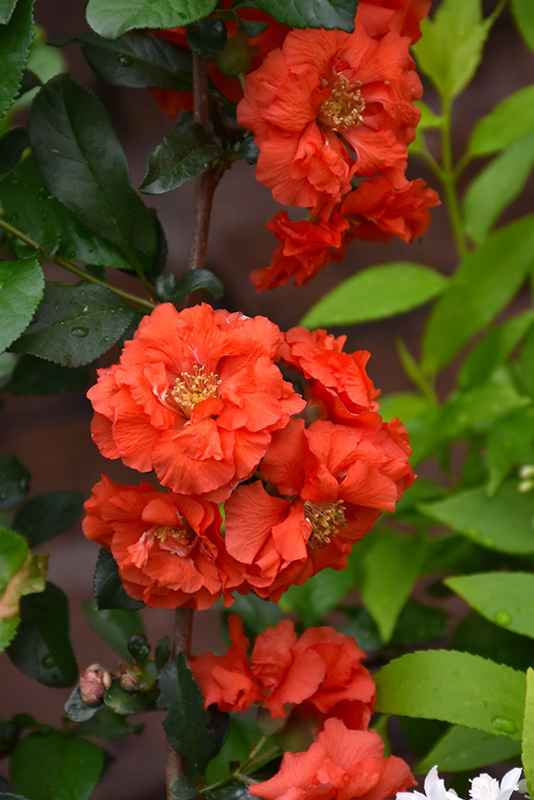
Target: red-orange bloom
{"points": [[321, 96], [341, 765], [168, 547], [322, 670], [196, 397], [332, 482], [403, 16]]}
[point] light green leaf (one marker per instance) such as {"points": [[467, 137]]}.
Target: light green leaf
{"points": [[21, 291], [506, 598], [523, 11], [312, 13], [115, 626], [455, 687], [528, 733], [510, 120], [463, 749], [510, 443], [376, 293], [15, 40], [112, 18], [502, 522], [493, 189], [484, 284]]}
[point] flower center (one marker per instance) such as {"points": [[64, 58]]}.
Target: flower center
{"points": [[185, 534], [343, 109], [325, 519], [189, 389]]}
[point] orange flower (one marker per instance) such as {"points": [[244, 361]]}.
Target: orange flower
{"points": [[321, 96], [168, 547], [195, 396], [403, 16], [341, 765]]}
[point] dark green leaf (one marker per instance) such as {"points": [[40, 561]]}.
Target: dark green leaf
{"points": [[478, 636], [35, 376], [257, 614], [29, 81], [523, 12], [235, 791], [454, 687], [138, 60], [12, 145], [484, 284], [312, 13], [206, 37], [42, 648], [6, 9], [191, 730], [116, 627], [22, 287], [187, 152], [55, 766], [4, 796], [528, 733], [125, 703], [74, 325], [376, 293], [510, 443], [108, 588], [526, 364], [502, 522], [112, 18], [509, 121], [418, 623], [15, 39], [183, 788], [48, 515], [106, 724], [8, 362], [76, 709], [194, 280], [162, 652], [14, 481], [320, 594], [467, 749], [247, 150]]}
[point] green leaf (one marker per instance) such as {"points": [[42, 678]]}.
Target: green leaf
{"points": [[112, 18], [257, 614], [525, 366], [206, 37], [116, 627], [48, 515], [15, 39], [106, 724], [484, 284], [510, 120], [55, 766], [74, 325], [467, 749], [183, 788], [186, 153], [138, 60], [191, 730], [108, 588], [493, 350], [42, 648], [376, 293], [312, 13], [478, 636], [12, 145], [162, 653], [35, 376], [528, 732], [192, 281], [8, 362], [450, 48], [6, 9], [523, 12], [502, 522], [496, 186], [319, 595], [510, 443], [8, 628], [21, 573], [21, 291], [125, 703], [455, 687], [506, 598], [388, 567], [77, 710], [14, 481], [235, 791]]}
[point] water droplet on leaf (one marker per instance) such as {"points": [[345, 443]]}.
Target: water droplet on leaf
{"points": [[81, 333], [125, 61], [48, 662], [504, 724], [503, 618]]}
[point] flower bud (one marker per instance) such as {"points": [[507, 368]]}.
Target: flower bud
{"points": [[93, 684], [129, 682]]}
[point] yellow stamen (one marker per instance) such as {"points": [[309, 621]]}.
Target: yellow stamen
{"points": [[185, 534], [325, 519], [192, 389], [344, 108]]}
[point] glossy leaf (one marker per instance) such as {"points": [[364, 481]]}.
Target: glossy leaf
{"points": [[477, 635], [108, 588], [77, 710], [496, 186], [162, 652], [42, 648], [509, 121], [502, 522], [510, 443], [14, 481], [12, 145], [125, 703], [463, 749], [454, 687], [6, 9], [21, 573], [106, 724], [48, 515], [206, 37], [191, 730], [74, 325], [183, 788], [116, 627], [22, 287], [55, 766], [528, 732], [484, 284], [376, 293], [523, 12], [15, 39], [35, 376], [186, 153], [312, 13], [112, 18], [194, 280]]}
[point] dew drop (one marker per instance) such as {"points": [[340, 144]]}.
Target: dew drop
{"points": [[504, 724], [48, 662], [473, 532], [81, 333], [125, 61], [503, 618], [488, 542]]}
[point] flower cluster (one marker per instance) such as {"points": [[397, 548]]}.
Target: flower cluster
{"points": [[328, 108], [198, 397], [321, 676], [483, 787]]}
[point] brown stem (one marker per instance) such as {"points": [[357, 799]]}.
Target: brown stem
{"points": [[181, 643]]}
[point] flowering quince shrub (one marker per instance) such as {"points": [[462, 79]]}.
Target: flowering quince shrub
{"points": [[271, 484]]}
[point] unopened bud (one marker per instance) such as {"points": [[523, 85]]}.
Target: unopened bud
{"points": [[129, 682], [93, 684]]}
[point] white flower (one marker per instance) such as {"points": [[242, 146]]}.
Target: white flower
{"points": [[434, 789], [485, 787]]}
